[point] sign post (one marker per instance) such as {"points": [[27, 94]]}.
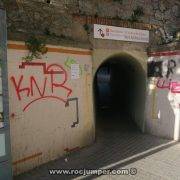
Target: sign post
{"points": [[5, 153]]}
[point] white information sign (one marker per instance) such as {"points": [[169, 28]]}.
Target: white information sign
{"points": [[120, 33], [75, 71]]}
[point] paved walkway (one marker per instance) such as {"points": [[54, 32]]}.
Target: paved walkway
{"points": [[117, 148]]}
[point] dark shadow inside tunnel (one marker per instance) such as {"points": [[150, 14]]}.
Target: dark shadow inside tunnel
{"points": [[119, 93]]}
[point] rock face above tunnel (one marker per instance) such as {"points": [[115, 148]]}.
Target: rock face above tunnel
{"points": [[66, 22]]}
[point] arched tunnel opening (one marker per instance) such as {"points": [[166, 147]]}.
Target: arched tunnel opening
{"points": [[119, 92]]}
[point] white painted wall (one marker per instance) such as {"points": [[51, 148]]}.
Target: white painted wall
{"points": [[42, 131], [163, 100]]}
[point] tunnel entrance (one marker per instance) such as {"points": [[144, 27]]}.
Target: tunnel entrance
{"points": [[119, 92]]}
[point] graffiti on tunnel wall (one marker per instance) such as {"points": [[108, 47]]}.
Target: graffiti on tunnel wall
{"points": [[173, 86], [165, 70], [45, 89], [161, 68], [51, 85], [77, 111]]}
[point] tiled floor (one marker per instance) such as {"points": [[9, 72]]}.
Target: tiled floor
{"points": [[117, 147]]}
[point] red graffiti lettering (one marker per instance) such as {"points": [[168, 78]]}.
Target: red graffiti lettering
{"points": [[53, 81], [45, 97], [18, 87], [173, 86], [33, 82], [163, 84]]}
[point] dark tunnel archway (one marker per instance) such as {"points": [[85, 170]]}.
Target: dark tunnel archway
{"points": [[119, 94]]}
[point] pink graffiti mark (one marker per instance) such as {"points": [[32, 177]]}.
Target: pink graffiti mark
{"points": [[163, 83], [50, 72], [173, 86]]}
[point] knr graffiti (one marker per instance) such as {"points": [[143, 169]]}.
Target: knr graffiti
{"points": [[52, 83]]}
